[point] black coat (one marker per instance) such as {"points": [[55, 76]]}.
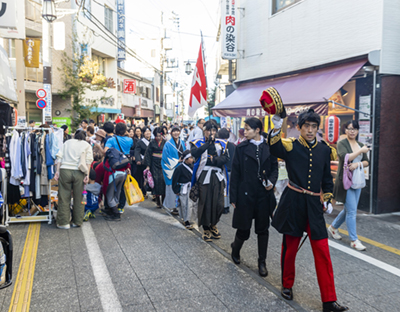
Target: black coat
{"points": [[308, 166], [181, 176], [251, 198]]}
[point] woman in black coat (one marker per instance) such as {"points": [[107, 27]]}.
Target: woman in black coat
{"points": [[140, 150], [152, 160], [253, 176]]}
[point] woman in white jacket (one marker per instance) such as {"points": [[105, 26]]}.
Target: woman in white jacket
{"points": [[72, 179]]}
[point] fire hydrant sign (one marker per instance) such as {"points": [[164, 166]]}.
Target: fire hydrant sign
{"points": [[130, 86], [41, 93]]}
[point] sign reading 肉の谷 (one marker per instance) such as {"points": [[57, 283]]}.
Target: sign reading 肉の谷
{"points": [[229, 30]]}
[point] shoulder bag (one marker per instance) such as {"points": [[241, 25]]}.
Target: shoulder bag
{"points": [[358, 177], [347, 174]]}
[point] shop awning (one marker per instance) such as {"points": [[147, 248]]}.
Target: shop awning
{"points": [[298, 92]]}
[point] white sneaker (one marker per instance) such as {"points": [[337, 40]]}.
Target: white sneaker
{"points": [[357, 245], [64, 227], [334, 233], [75, 226]]}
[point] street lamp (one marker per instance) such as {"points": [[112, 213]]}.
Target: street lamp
{"points": [[188, 68], [49, 11]]}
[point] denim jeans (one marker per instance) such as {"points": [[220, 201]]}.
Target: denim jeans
{"points": [[349, 213]]}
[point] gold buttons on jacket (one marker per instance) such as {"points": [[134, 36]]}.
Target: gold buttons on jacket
{"points": [[310, 154], [309, 175], [308, 187], [310, 165]]}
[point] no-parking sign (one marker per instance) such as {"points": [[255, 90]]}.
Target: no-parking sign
{"points": [[41, 103]]}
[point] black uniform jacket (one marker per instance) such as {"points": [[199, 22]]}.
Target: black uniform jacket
{"points": [[251, 198], [181, 176], [140, 150], [308, 166]]}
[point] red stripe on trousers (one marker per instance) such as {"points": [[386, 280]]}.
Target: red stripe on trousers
{"points": [[322, 259]]}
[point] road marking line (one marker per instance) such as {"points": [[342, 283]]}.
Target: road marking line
{"points": [[21, 297], [372, 242], [361, 256], [108, 295]]}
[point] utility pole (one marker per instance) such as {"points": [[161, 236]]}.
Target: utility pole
{"points": [[162, 72]]}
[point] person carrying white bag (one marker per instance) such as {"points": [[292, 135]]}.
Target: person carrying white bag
{"points": [[358, 160]]}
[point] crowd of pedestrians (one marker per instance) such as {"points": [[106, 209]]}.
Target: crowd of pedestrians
{"points": [[199, 172]]}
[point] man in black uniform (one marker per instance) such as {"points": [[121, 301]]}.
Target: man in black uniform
{"points": [[300, 209]]}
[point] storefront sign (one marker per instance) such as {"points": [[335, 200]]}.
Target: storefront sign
{"points": [[21, 121], [224, 123], [291, 110], [8, 14], [31, 52], [130, 86], [121, 30], [60, 121], [365, 107], [229, 30], [12, 21]]}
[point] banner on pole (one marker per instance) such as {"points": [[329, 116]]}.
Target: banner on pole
{"points": [[229, 30], [121, 30], [198, 92], [31, 52]]}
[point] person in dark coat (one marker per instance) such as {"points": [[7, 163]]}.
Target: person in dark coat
{"points": [[152, 160], [209, 170], [224, 135], [300, 209], [254, 174], [140, 150]]}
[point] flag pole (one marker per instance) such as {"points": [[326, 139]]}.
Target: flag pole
{"points": [[205, 73]]}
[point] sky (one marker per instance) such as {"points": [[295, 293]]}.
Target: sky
{"points": [[144, 20]]}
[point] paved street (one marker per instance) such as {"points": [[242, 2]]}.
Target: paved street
{"points": [[149, 262]]}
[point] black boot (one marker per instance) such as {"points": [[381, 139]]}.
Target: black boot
{"points": [[158, 201], [262, 241], [333, 307], [113, 217], [236, 246], [287, 293]]}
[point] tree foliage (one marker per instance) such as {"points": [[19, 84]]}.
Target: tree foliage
{"points": [[81, 74]]}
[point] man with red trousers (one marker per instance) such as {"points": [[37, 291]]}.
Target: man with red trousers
{"points": [[300, 209]]}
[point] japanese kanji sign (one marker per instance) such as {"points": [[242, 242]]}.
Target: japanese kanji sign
{"points": [[130, 86], [121, 29], [229, 30]]}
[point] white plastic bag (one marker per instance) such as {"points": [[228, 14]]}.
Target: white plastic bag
{"points": [[358, 177]]}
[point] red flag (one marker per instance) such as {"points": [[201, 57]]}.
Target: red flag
{"points": [[198, 93]]}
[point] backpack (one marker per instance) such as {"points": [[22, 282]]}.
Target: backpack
{"points": [[116, 159]]}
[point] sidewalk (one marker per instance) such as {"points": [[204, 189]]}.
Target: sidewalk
{"points": [[153, 263]]}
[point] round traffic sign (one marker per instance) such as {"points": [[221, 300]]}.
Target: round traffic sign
{"points": [[41, 103], [41, 93]]}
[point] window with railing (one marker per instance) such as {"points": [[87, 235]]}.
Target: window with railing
{"points": [[279, 5]]}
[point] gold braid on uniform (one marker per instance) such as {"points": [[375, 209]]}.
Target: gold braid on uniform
{"points": [[333, 151], [327, 196], [273, 140], [288, 144]]}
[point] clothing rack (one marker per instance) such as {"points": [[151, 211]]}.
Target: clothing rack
{"points": [[24, 219]]}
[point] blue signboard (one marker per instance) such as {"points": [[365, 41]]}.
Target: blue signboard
{"points": [[41, 103], [121, 30]]}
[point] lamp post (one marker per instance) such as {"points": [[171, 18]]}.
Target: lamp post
{"points": [[188, 66], [49, 15]]}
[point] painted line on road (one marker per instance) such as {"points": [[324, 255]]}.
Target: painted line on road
{"points": [[21, 297], [108, 295], [357, 254], [372, 242]]}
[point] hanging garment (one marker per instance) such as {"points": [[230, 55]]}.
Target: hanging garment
{"points": [[23, 164], [49, 158], [6, 149], [15, 156], [27, 152]]}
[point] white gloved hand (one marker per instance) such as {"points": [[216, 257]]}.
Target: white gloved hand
{"points": [[328, 207], [278, 121]]}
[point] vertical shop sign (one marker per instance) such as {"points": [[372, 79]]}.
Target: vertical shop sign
{"points": [[365, 107], [121, 30], [229, 30], [47, 109]]}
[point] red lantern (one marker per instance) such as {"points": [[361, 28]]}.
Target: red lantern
{"points": [[332, 126]]}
